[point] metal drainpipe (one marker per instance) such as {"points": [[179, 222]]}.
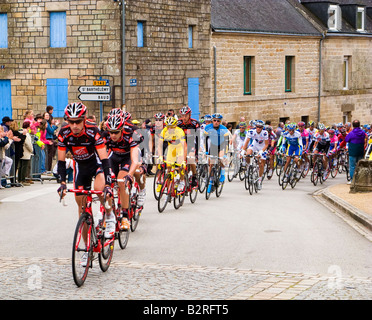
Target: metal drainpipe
{"points": [[320, 73], [123, 51], [215, 78]]}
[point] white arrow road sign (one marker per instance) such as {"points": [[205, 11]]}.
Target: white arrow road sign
{"points": [[96, 89], [94, 97]]}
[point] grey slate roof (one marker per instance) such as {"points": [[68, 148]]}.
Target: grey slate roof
{"points": [[266, 16]]}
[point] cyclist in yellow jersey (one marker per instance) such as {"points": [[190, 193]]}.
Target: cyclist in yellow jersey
{"points": [[176, 149]]}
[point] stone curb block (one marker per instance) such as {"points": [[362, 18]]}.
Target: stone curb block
{"points": [[356, 214]]}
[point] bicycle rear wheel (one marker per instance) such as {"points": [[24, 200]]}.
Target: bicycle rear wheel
{"points": [[203, 176], [231, 170], [179, 199], [123, 237], [105, 256], [80, 265], [193, 192], [210, 182]]}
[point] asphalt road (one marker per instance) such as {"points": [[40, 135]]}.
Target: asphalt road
{"points": [[274, 230]]}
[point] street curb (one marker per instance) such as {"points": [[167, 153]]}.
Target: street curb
{"points": [[353, 212]]}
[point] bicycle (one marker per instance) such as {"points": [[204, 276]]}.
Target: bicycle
{"points": [[202, 170], [89, 240], [318, 169], [134, 211], [214, 177], [236, 166], [169, 189], [293, 174], [343, 163], [252, 174], [159, 179], [191, 191]]}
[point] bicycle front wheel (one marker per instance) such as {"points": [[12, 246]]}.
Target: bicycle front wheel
{"points": [[105, 256], [165, 194], [81, 256], [158, 180]]}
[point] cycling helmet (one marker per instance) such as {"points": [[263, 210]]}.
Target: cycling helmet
{"points": [[185, 110], [217, 116], [171, 121], [268, 128], [135, 122], [115, 122], [321, 126], [159, 116], [331, 131], [242, 125], [75, 110], [259, 123], [301, 124], [311, 123], [291, 126], [115, 111], [252, 123], [207, 117]]}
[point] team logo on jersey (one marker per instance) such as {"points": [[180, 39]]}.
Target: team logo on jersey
{"points": [[80, 151]]}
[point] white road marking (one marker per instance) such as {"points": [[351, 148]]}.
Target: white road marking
{"points": [[24, 196]]}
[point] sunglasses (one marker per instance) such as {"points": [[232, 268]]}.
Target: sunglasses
{"points": [[75, 121], [215, 120], [115, 132], [259, 127]]}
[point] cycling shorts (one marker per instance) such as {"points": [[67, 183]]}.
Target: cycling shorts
{"points": [[84, 172], [294, 150], [120, 163], [173, 153], [323, 148], [258, 148]]}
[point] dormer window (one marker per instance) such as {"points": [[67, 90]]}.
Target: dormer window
{"points": [[334, 17], [360, 21]]}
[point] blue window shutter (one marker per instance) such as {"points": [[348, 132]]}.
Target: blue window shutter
{"points": [[4, 30], [6, 99], [58, 29], [193, 97], [140, 34], [57, 95]]}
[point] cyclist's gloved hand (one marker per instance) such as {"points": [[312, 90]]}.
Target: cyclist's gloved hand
{"points": [[108, 191], [242, 153], [62, 190]]}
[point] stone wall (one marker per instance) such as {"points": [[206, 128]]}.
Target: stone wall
{"points": [[268, 100], [93, 49], [356, 101], [162, 67]]}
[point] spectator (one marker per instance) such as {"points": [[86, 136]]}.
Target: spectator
{"points": [[348, 127], [69, 169], [27, 153], [45, 143], [170, 113], [18, 145], [29, 117], [51, 136], [49, 109], [241, 120], [92, 118], [356, 140], [6, 123], [6, 139]]}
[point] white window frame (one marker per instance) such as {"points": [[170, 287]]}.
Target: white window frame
{"points": [[336, 10], [362, 11], [345, 77]]}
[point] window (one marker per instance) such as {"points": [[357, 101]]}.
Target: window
{"points": [[360, 19], [141, 28], [191, 37], [4, 30], [333, 17], [248, 67], [57, 95], [345, 73], [289, 72], [58, 29]]}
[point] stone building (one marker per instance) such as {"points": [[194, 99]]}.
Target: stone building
{"points": [[346, 60], [49, 48], [279, 60]]}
